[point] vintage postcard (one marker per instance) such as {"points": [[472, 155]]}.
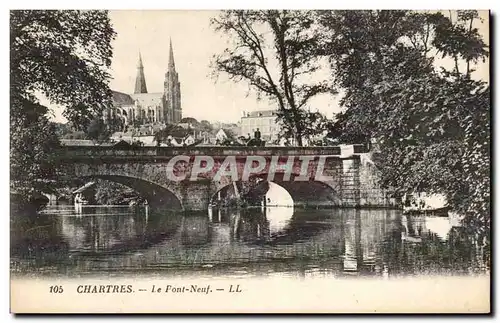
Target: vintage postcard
{"points": [[249, 161]]}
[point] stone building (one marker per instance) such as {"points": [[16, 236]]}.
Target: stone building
{"points": [[265, 121], [141, 107]]}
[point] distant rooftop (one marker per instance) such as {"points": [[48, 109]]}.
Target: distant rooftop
{"points": [[82, 142], [263, 113], [77, 142]]}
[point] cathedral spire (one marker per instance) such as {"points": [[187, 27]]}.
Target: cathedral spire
{"points": [[139, 64], [140, 80], [172, 90], [171, 63]]}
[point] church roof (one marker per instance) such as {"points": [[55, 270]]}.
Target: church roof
{"points": [[120, 98], [148, 99]]}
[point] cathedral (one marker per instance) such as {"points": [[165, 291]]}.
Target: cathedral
{"points": [[142, 107]]}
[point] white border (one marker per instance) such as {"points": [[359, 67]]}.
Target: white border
{"points": [[185, 4]]}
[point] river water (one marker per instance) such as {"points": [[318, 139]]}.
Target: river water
{"points": [[123, 241]]}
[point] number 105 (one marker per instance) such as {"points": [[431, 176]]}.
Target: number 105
{"points": [[56, 289]]}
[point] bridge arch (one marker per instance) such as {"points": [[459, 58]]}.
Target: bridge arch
{"points": [[303, 193], [156, 195], [309, 193], [260, 189]]}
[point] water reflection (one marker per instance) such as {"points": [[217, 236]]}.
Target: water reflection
{"points": [[279, 218], [244, 241], [114, 230]]}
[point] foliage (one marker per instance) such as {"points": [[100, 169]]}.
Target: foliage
{"points": [[314, 124], [336, 129], [97, 130], [111, 193], [100, 131], [190, 120], [273, 51], [230, 133], [431, 124], [32, 164], [173, 130], [62, 129], [75, 135], [456, 38], [64, 56], [206, 126]]}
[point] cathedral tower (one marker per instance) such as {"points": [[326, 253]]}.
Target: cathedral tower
{"points": [[172, 89], [140, 80]]}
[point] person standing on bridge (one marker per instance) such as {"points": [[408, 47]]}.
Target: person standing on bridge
{"points": [[257, 134]]}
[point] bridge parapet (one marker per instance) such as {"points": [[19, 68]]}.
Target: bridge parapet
{"points": [[82, 151], [71, 152]]}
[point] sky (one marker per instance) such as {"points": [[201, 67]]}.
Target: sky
{"points": [[194, 44]]}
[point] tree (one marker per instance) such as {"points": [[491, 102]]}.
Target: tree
{"points": [[431, 124], [190, 120], [173, 130], [315, 124], [75, 135], [206, 126], [273, 51], [455, 37], [111, 193], [368, 48], [64, 56], [61, 129], [99, 131], [336, 130], [32, 162]]}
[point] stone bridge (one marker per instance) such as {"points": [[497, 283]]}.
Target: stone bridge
{"points": [[188, 177]]}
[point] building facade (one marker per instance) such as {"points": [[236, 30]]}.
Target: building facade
{"points": [[141, 107], [265, 121]]}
